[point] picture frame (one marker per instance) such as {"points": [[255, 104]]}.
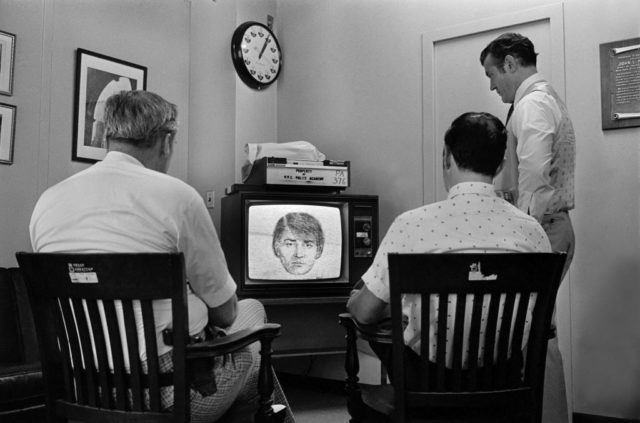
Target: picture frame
{"points": [[7, 53], [7, 132], [620, 84], [97, 77]]}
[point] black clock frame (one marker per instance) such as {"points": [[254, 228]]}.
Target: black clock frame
{"points": [[238, 60]]}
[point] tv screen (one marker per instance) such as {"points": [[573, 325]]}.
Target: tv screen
{"points": [[294, 241]]}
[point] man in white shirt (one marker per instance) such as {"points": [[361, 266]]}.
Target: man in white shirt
{"points": [[539, 172], [127, 203], [472, 219]]}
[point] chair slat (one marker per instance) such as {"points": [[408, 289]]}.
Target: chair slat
{"points": [[504, 339], [490, 340], [68, 315], [63, 345], [441, 348], [101, 353], [474, 341], [135, 368], [425, 329], [87, 352], [152, 354], [457, 344], [117, 357]]}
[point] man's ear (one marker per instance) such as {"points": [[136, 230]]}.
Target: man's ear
{"points": [[167, 144], [446, 158], [510, 63]]}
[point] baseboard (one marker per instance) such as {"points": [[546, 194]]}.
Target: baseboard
{"points": [[590, 418]]}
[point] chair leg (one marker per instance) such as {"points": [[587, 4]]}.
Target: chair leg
{"points": [[266, 413], [352, 388]]}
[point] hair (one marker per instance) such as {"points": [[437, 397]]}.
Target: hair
{"points": [[138, 117], [299, 223], [510, 43], [477, 141]]}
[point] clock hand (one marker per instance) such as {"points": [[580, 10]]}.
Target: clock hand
{"points": [[264, 47]]}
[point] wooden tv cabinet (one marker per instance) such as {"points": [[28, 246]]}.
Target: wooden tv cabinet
{"points": [[309, 325]]}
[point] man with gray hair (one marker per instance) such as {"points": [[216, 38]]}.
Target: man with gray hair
{"points": [[127, 203]]}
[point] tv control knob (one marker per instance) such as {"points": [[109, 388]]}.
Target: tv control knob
{"points": [[367, 242]]}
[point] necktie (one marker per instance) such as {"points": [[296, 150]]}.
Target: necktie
{"points": [[509, 113]]}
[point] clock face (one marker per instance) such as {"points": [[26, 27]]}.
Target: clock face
{"points": [[256, 55]]}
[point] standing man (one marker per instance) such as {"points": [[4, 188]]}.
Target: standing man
{"points": [[127, 203], [539, 173]]}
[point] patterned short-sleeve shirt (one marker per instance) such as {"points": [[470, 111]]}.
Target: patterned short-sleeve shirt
{"points": [[471, 219]]}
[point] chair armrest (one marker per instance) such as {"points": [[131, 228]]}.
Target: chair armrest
{"points": [[233, 342], [379, 332]]}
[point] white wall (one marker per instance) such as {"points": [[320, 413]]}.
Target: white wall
{"points": [[352, 86], [152, 33]]}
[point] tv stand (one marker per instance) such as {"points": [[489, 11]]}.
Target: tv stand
{"points": [[309, 325]]}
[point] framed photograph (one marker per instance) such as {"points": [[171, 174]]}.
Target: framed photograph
{"points": [[7, 132], [7, 48], [97, 78]]}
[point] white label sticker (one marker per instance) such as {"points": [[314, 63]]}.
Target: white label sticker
{"points": [[79, 273]]}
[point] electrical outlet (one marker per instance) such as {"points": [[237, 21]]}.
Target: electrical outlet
{"points": [[210, 199]]}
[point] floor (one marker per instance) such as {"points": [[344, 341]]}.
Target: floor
{"points": [[315, 400]]}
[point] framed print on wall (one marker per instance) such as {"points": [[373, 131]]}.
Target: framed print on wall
{"points": [[98, 77], [7, 48], [7, 132]]}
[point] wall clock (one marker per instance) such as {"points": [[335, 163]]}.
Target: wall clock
{"points": [[256, 55]]}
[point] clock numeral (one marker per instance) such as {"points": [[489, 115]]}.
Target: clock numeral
{"points": [[247, 39], [245, 50], [247, 62], [253, 34], [267, 77], [260, 34], [273, 49], [253, 72], [275, 61], [260, 77], [273, 70]]}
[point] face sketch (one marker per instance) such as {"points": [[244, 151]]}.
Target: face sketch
{"points": [[297, 251], [499, 81]]}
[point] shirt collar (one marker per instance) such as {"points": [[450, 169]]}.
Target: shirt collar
{"points": [[526, 84], [120, 157], [479, 188]]}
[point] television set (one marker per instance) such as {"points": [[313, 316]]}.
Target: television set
{"points": [[298, 244]]}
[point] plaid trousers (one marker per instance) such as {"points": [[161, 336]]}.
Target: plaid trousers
{"points": [[236, 398]]}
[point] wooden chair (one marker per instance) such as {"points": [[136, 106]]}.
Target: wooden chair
{"points": [[66, 288], [502, 390]]}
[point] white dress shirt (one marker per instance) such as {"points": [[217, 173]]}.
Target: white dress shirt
{"points": [[118, 205], [471, 219]]}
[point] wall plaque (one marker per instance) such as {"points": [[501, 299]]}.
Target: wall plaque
{"points": [[620, 83]]}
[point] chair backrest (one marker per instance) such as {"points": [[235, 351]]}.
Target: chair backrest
{"points": [[82, 301], [478, 367]]}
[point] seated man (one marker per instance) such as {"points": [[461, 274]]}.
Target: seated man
{"points": [[127, 203], [471, 219]]}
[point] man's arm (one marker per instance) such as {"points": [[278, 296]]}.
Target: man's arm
{"points": [[366, 307], [535, 129], [225, 314]]}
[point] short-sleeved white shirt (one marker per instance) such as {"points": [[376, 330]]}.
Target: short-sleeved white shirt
{"points": [[471, 219], [118, 205]]}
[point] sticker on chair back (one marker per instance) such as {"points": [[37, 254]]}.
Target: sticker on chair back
{"points": [[79, 273], [475, 273]]}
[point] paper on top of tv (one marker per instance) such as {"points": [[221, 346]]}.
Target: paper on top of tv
{"points": [[294, 150]]}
